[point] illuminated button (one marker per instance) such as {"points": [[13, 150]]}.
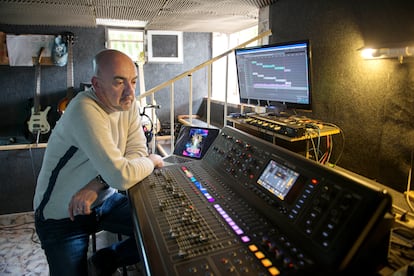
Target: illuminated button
{"points": [[238, 231], [238, 261], [192, 270], [253, 248], [266, 263], [231, 268], [244, 269], [259, 255], [274, 271], [224, 260], [245, 239]]}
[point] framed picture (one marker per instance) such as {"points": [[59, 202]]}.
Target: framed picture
{"points": [[165, 46]]}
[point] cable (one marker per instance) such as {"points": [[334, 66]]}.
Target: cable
{"points": [[343, 143], [401, 250], [149, 133], [407, 193], [13, 228], [329, 149], [33, 166], [316, 149], [327, 155]]}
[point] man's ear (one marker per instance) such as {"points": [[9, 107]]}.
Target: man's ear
{"points": [[95, 82]]}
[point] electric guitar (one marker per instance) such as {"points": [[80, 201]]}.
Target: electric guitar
{"points": [[38, 123], [70, 93]]}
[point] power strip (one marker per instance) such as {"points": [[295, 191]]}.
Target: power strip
{"points": [[407, 223]]}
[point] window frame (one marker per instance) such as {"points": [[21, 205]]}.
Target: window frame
{"points": [[141, 43], [179, 58]]}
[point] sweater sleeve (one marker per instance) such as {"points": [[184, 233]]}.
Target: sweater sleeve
{"points": [[94, 135], [136, 143]]}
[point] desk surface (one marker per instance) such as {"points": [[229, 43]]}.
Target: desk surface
{"points": [[23, 146]]}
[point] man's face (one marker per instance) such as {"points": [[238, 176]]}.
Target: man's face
{"points": [[115, 85]]}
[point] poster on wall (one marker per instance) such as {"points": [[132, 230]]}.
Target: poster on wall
{"points": [[22, 48]]}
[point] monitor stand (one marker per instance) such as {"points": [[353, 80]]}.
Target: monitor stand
{"points": [[277, 109]]}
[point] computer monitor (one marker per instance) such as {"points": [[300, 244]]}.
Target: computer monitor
{"points": [[275, 75]]}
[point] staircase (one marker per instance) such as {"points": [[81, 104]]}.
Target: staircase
{"points": [[188, 74]]}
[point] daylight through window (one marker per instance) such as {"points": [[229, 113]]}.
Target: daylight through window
{"points": [[130, 42]]}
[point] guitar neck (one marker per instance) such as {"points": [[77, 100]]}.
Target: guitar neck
{"points": [[36, 101], [69, 68]]}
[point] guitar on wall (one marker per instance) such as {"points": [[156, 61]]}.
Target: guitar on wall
{"points": [[70, 93], [38, 123]]}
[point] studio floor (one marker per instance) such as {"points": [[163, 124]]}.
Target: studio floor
{"points": [[20, 251]]}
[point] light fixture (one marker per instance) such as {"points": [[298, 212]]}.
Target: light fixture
{"points": [[387, 52], [121, 23]]}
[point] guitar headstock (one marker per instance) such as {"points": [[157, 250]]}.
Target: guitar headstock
{"points": [[141, 58], [39, 56], [68, 38]]}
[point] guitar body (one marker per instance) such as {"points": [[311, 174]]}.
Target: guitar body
{"points": [[38, 121], [63, 103]]}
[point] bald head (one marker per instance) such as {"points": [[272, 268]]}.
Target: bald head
{"points": [[109, 57], [114, 80]]}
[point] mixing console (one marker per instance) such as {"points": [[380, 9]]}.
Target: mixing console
{"points": [[253, 208]]}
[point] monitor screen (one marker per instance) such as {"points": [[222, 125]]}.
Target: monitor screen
{"points": [[194, 145], [278, 179], [194, 141], [275, 74]]}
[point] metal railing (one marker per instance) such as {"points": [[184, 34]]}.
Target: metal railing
{"points": [[189, 74]]}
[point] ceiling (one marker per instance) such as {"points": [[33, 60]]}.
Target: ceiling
{"points": [[225, 16]]}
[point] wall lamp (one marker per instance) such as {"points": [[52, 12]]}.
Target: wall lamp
{"points": [[393, 52]]}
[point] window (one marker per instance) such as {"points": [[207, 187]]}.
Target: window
{"points": [[221, 43], [130, 42], [165, 46]]}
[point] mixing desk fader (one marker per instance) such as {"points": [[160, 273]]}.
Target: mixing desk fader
{"points": [[252, 208]]}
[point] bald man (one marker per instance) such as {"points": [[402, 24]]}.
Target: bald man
{"points": [[97, 148]]}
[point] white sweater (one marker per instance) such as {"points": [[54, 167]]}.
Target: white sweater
{"points": [[111, 145]]}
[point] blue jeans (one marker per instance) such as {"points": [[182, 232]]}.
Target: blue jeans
{"points": [[65, 242]]}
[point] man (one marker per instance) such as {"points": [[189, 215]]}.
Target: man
{"points": [[97, 146]]}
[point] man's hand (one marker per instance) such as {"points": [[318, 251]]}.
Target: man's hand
{"points": [[157, 160], [81, 202]]}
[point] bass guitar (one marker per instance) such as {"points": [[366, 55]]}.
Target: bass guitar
{"points": [[70, 93], [38, 123]]}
